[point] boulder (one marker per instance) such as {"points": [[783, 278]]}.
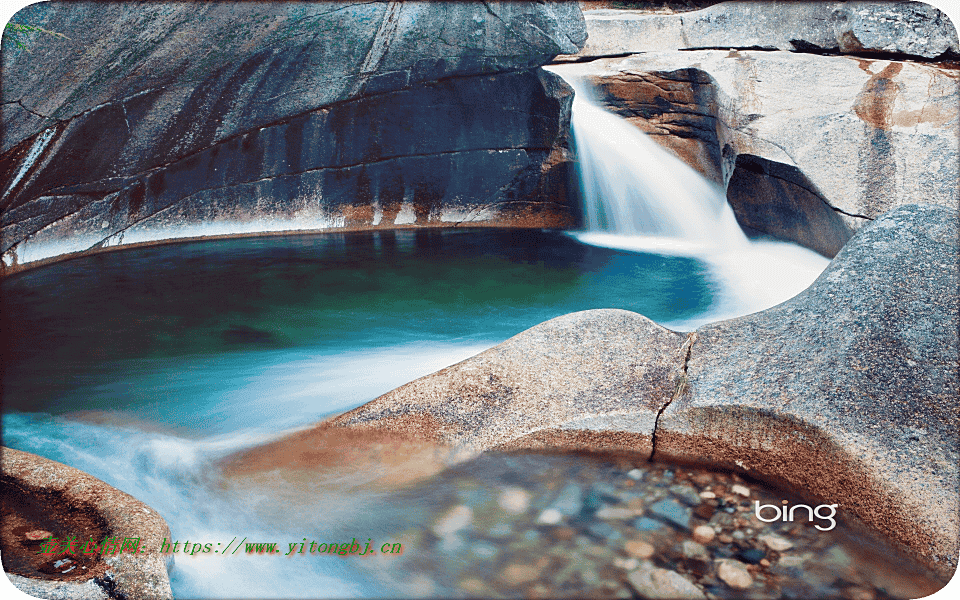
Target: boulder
{"points": [[847, 391], [587, 381], [881, 133], [900, 29], [236, 118], [52, 498]]}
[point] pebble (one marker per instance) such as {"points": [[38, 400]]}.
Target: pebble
{"points": [[692, 549], [550, 516], [647, 524], [616, 512], [661, 584], [703, 534], [457, 518], [518, 574], [570, 500], [38, 534], [672, 512], [635, 474], [775, 542], [639, 549], [535, 536], [740, 490], [790, 561], [734, 573], [514, 500]]}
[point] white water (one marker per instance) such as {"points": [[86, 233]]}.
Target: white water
{"points": [[244, 401], [639, 197]]}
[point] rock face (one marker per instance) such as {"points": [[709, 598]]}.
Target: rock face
{"points": [[173, 120], [37, 489], [881, 133], [591, 381], [909, 29], [846, 392], [849, 390]]}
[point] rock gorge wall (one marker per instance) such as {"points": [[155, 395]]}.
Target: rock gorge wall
{"points": [[172, 120], [817, 116]]}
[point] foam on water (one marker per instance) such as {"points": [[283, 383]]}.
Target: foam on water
{"points": [[179, 476], [639, 197]]}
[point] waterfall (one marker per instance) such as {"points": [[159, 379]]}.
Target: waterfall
{"points": [[639, 197]]}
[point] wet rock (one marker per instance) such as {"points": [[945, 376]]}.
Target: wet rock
{"points": [[776, 543], [66, 494], [672, 512], [593, 380], [514, 500], [703, 534], [639, 549], [780, 178], [660, 584], [734, 573], [740, 490], [888, 306], [220, 128]]}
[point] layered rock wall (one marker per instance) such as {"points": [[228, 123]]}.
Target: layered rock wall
{"points": [[175, 120]]}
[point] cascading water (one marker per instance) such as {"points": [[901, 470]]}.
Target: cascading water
{"points": [[638, 196]]}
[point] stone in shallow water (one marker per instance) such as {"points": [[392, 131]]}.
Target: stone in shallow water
{"points": [[734, 573], [672, 512], [514, 500], [603, 531], [703, 534], [661, 584], [570, 500], [647, 524], [776, 543]]}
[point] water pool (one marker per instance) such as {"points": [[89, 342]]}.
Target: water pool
{"points": [[143, 367]]}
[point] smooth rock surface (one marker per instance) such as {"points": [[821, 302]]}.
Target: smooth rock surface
{"points": [[243, 118], [141, 575], [849, 390], [593, 380], [880, 134], [898, 28]]}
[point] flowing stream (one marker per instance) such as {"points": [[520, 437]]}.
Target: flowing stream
{"points": [[638, 196], [146, 366]]}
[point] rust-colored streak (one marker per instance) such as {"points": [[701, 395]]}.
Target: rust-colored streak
{"points": [[875, 102]]}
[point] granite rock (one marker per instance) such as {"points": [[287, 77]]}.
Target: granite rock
{"points": [[847, 391], [235, 118], [881, 133], [901, 29], [62, 492]]}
